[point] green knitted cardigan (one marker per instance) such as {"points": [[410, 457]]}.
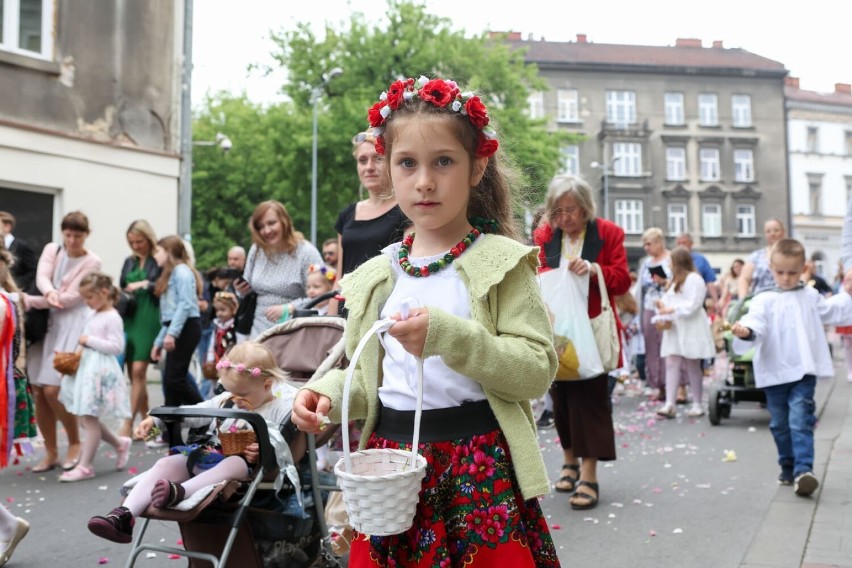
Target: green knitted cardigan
{"points": [[506, 345]]}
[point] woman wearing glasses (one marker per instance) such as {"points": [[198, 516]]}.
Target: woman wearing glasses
{"points": [[366, 227]]}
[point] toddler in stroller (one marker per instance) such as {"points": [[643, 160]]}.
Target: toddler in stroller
{"points": [[248, 373]]}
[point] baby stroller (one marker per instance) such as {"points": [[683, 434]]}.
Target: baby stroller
{"points": [[251, 523], [738, 385]]}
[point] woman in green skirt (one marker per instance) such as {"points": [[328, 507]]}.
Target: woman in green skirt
{"points": [[141, 325]]}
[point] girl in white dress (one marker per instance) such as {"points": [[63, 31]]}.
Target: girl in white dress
{"points": [[98, 388], [689, 339]]}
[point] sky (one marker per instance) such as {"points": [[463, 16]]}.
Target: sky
{"points": [[812, 41]]}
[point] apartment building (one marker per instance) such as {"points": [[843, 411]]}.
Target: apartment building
{"points": [[90, 117], [820, 135], [686, 138]]}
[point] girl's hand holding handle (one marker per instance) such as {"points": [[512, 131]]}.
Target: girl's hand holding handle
{"points": [[740, 330], [310, 410], [252, 453], [411, 331], [82, 340], [144, 427]]}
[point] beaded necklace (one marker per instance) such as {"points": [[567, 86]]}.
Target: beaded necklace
{"points": [[433, 267]]}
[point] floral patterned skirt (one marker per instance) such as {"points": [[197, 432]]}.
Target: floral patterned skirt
{"points": [[471, 513]]}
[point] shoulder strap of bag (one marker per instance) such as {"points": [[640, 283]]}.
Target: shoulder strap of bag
{"points": [[601, 286]]}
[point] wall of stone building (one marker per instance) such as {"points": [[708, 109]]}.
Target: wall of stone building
{"points": [[113, 78]]}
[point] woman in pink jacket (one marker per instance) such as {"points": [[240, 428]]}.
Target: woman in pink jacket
{"points": [[60, 269]]}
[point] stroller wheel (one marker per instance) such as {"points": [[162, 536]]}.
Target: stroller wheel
{"points": [[715, 406]]}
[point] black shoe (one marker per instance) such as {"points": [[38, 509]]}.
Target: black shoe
{"points": [[117, 526], [546, 420]]}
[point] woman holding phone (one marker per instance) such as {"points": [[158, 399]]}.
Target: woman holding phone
{"points": [[654, 271]]}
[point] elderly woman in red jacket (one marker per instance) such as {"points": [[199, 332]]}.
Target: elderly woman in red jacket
{"points": [[572, 236]]}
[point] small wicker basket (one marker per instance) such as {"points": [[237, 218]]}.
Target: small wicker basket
{"points": [[209, 371], [663, 325], [66, 362], [234, 442], [381, 487]]}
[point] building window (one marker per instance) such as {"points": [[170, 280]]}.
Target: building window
{"points": [[677, 218], [711, 219], [627, 159], [628, 216], [536, 105], [567, 105], [743, 165], [848, 180], [848, 143], [26, 27], [709, 158], [676, 164], [571, 160], [741, 110], [708, 110], [674, 108], [813, 140], [621, 107], [815, 194], [745, 221]]}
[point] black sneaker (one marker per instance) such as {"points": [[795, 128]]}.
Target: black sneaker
{"points": [[117, 526], [785, 478], [806, 483], [546, 420]]}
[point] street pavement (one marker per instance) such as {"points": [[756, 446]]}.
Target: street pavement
{"points": [[681, 493]]}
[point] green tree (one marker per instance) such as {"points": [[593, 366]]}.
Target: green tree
{"points": [[272, 146]]}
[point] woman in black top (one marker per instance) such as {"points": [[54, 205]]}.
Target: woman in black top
{"points": [[364, 228]]}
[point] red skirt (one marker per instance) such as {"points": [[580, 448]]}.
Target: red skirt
{"points": [[471, 513]]}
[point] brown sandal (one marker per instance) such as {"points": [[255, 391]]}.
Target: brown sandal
{"points": [[581, 501], [571, 480]]}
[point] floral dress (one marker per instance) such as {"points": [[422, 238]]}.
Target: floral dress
{"points": [[17, 413]]}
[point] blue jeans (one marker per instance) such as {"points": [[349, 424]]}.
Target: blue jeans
{"points": [[791, 420]]}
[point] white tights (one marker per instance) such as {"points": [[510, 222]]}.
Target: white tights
{"points": [[693, 374], [8, 524], [173, 468], [846, 340], [95, 432]]}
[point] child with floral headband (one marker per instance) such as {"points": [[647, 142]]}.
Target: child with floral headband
{"points": [[224, 335], [248, 374], [480, 328], [321, 280]]}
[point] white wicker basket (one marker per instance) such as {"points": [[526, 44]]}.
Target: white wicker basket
{"points": [[381, 487]]}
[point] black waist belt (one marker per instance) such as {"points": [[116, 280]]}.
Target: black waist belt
{"points": [[439, 425]]}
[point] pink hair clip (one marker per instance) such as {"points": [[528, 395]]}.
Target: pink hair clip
{"points": [[239, 367]]}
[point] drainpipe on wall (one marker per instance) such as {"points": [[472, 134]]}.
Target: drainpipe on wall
{"points": [[185, 187]]}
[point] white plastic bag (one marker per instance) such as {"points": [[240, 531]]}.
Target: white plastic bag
{"points": [[567, 297]]}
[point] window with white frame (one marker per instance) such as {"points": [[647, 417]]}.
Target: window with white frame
{"points": [[813, 139], [677, 218], [741, 110], [676, 163], [746, 221], [674, 108], [621, 107], [26, 27], [815, 194], [627, 159], [709, 164], [628, 216], [567, 105], [711, 219], [571, 159], [744, 165], [848, 142], [708, 109], [536, 105]]}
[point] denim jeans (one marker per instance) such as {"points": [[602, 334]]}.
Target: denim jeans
{"points": [[791, 420]]}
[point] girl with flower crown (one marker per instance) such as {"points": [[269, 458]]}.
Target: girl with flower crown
{"points": [[248, 374], [480, 328]]}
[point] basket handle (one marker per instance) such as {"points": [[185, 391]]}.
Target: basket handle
{"points": [[378, 329]]}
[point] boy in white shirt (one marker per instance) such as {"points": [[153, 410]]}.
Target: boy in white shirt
{"points": [[786, 324]]}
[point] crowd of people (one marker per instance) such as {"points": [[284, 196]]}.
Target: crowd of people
{"points": [[432, 172]]}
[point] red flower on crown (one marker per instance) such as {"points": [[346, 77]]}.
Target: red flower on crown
{"points": [[442, 94]]}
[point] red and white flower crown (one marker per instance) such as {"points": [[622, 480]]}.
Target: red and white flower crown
{"points": [[442, 94]]}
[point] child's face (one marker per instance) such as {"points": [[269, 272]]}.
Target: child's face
{"points": [[787, 271], [317, 285], [221, 283], [95, 299], [224, 312], [255, 390]]}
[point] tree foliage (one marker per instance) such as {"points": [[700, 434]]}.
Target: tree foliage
{"points": [[271, 158]]}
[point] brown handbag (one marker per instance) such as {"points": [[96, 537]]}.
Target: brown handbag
{"points": [[66, 363]]}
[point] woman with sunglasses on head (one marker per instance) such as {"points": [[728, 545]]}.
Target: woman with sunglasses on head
{"points": [[365, 227]]}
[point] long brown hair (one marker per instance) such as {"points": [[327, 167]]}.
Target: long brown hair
{"points": [[492, 198], [682, 265], [290, 236], [173, 245]]}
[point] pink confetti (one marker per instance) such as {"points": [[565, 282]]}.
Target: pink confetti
{"points": [[657, 490], [179, 542], [132, 470], [103, 560], [652, 533], [556, 527], [174, 556], [10, 499]]}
